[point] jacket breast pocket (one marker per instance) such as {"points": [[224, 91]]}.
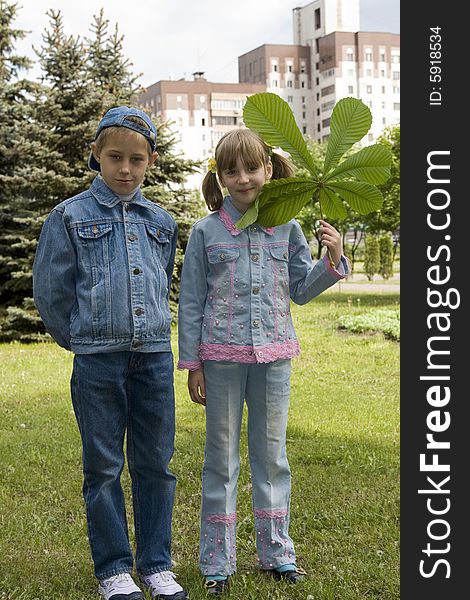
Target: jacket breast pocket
{"points": [[222, 256], [159, 240], [97, 244], [279, 256]]}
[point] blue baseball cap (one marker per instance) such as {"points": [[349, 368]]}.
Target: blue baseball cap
{"points": [[118, 117]]}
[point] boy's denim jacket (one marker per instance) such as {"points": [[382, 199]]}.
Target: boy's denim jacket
{"points": [[236, 288], [102, 273]]}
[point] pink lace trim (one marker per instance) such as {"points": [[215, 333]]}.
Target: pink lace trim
{"points": [[249, 354], [230, 225], [333, 270], [192, 365], [270, 514], [226, 519]]}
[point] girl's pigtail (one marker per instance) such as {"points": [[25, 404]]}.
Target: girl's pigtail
{"points": [[282, 167], [212, 191]]}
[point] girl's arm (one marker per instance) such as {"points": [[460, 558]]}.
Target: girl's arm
{"points": [[306, 279], [192, 298]]}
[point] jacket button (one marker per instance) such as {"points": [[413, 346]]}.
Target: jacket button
{"points": [[255, 257], [222, 256], [132, 238], [256, 290], [256, 323], [137, 271], [253, 228], [139, 311]]}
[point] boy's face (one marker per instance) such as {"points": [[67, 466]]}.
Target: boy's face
{"points": [[123, 159], [244, 183]]}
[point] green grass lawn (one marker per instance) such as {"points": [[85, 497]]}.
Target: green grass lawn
{"points": [[343, 447]]}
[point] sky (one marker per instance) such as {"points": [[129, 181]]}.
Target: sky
{"points": [[171, 39]]}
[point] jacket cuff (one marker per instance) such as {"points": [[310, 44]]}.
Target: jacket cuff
{"points": [[191, 365]]}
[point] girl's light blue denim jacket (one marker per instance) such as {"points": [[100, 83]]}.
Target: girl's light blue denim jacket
{"points": [[236, 288], [102, 273]]}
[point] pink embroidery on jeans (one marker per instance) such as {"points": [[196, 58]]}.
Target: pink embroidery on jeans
{"points": [[270, 514], [226, 519]]}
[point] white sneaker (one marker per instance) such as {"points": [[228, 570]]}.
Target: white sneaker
{"points": [[164, 586], [120, 587]]}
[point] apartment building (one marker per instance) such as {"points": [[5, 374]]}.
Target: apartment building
{"points": [[347, 62], [329, 60], [199, 111], [284, 70]]}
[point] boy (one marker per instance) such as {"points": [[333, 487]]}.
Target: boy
{"points": [[101, 280]]}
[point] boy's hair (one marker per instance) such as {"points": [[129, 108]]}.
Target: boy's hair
{"points": [[252, 151], [128, 117]]}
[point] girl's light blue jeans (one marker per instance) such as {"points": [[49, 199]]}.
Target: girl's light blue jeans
{"points": [[266, 389], [130, 394]]}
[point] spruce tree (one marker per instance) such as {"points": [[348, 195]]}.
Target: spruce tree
{"points": [[45, 134], [16, 150]]}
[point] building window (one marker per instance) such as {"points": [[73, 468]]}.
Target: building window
{"points": [[395, 75], [303, 99], [395, 89], [302, 84], [317, 18], [304, 129], [350, 72], [275, 83], [370, 137], [203, 122], [350, 89], [368, 57], [274, 66], [368, 72], [302, 66], [304, 115], [290, 99], [383, 89], [369, 89], [396, 106], [382, 73], [325, 122], [318, 127], [395, 58], [384, 105], [382, 56], [289, 83], [350, 55], [289, 68], [318, 112]]}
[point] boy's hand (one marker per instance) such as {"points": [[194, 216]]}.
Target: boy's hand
{"points": [[332, 240], [197, 386]]}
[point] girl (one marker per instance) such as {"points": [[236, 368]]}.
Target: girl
{"points": [[237, 339]]}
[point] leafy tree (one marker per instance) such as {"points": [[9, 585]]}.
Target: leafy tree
{"points": [[372, 256], [386, 255], [387, 219]]}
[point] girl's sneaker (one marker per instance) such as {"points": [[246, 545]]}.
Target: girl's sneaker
{"points": [[216, 587], [120, 587], [164, 586], [292, 575]]}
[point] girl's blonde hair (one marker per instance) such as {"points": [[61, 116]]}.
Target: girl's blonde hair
{"points": [[252, 151]]}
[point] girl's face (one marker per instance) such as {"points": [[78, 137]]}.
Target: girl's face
{"points": [[123, 159], [244, 183]]}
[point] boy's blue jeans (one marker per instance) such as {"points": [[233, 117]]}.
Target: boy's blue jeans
{"points": [[116, 394], [266, 389]]}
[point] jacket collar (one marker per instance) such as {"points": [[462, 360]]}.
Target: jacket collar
{"points": [[229, 215], [105, 196]]}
